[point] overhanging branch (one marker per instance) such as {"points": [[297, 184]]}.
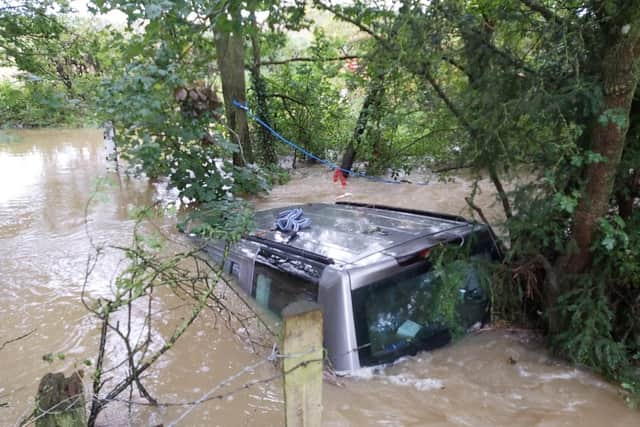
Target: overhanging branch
{"points": [[537, 7], [352, 21], [308, 59]]}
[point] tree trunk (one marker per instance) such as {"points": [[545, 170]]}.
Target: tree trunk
{"points": [[371, 103], [348, 157], [267, 148], [608, 135], [628, 179], [230, 59], [627, 196], [60, 401], [64, 77]]}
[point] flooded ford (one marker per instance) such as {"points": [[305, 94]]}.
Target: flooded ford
{"points": [[495, 376]]}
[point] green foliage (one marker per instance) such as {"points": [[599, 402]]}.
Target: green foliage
{"points": [[455, 268], [592, 337], [523, 87], [158, 138], [603, 309], [59, 59], [613, 233], [277, 175], [618, 117], [29, 32], [589, 340], [224, 220], [160, 134], [446, 294], [305, 99], [40, 104]]}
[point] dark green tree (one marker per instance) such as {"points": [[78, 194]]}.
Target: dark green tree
{"points": [[547, 87]]}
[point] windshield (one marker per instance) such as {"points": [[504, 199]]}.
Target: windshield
{"points": [[405, 312]]}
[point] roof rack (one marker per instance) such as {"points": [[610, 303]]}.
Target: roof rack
{"points": [[448, 217], [291, 249]]}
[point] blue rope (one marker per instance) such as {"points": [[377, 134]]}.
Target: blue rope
{"points": [[326, 162], [292, 220]]}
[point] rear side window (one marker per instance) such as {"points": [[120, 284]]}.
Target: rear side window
{"points": [[274, 289]]}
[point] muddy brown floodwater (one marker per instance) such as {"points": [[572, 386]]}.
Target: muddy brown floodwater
{"points": [[493, 378]]}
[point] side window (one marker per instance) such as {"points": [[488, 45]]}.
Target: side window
{"points": [[275, 289]]}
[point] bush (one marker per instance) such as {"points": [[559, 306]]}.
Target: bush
{"points": [[603, 309], [39, 104]]}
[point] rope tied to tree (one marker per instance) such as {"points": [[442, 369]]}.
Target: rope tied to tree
{"points": [[340, 173]]}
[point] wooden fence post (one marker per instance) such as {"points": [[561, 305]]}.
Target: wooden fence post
{"points": [[302, 354], [60, 401]]}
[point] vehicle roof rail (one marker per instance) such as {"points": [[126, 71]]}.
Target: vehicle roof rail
{"points": [[290, 249], [448, 217]]}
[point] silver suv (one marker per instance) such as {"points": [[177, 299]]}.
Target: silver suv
{"points": [[368, 267]]}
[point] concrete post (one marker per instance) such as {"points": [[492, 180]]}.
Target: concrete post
{"points": [[302, 364]]}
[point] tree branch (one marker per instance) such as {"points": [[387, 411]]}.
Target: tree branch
{"points": [[456, 64], [307, 59], [502, 194], [168, 345], [477, 209], [450, 105], [421, 138], [352, 21], [473, 132], [12, 340], [547, 14], [285, 97], [445, 169]]}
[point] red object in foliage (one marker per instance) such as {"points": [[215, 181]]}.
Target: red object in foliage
{"points": [[339, 175]]}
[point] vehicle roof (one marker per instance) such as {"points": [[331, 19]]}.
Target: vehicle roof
{"points": [[351, 233]]}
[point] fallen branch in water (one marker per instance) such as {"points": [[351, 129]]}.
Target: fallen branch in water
{"points": [[12, 340]]}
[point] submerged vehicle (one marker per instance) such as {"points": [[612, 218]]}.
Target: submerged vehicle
{"points": [[369, 269]]}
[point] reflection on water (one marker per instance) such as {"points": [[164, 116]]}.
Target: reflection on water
{"points": [[22, 171], [494, 378]]}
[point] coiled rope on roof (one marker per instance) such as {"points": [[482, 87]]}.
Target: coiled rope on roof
{"points": [[292, 220]]}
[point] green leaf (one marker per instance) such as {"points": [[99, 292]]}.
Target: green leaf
{"points": [[593, 157], [153, 11], [566, 203], [608, 243], [616, 116]]}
